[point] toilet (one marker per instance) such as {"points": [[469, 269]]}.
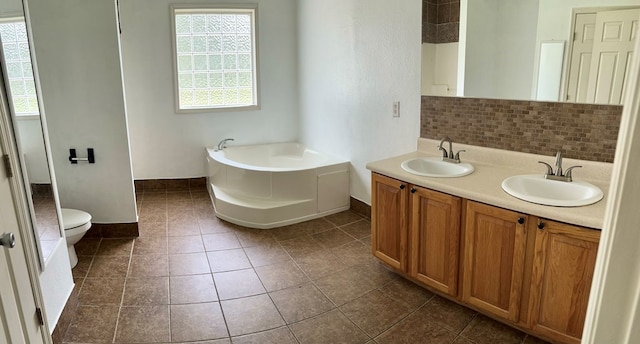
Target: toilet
{"points": [[76, 224]]}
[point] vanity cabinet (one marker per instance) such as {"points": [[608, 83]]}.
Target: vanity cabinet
{"points": [[435, 239], [389, 235], [416, 231], [533, 273], [563, 265], [494, 255]]}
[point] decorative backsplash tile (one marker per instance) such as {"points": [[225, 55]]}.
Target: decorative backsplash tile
{"points": [[582, 131], [440, 21]]}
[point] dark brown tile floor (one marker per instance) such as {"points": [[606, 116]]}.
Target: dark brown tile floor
{"points": [[190, 277]]}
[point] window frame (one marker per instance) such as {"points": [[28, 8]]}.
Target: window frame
{"points": [[176, 9]]}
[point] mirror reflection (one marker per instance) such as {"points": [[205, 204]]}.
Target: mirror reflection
{"points": [[18, 75], [547, 50]]}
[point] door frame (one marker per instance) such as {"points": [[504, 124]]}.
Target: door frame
{"points": [[20, 200], [613, 315]]}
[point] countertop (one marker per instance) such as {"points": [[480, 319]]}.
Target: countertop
{"points": [[492, 166]]}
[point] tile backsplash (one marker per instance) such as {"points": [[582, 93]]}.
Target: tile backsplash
{"points": [[582, 131]]}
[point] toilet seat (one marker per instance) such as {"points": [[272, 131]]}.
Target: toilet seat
{"points": [[75, 220]]}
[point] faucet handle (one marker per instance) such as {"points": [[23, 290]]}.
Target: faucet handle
{"points": [[444, 152], [567, 172], [457, 157], [549, 168]]}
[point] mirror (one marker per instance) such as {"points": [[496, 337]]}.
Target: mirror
{"points": [[23, 101], [509, 50]]}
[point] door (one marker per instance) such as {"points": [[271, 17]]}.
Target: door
{"points": [[435, 239], [17, 308], [389, 221], [580, 64], [19, 322], [564, 263], [613, 44], [494, 251]]}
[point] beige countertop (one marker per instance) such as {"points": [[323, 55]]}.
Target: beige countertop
{"points": [[492, 166]]}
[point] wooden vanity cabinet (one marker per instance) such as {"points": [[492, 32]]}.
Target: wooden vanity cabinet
{"points": [[534, 273], [389, 221], [416, 231], [563, 266], [494, 257], [435, 239]]}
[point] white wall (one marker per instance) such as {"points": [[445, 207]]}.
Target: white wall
{"points": [[10, 7], [439, 69], [32, 147], [169, 145], [77, 53], [500, 41], [356, 58]]}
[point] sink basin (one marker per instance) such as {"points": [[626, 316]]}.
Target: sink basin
{"points": [[435, 167], [535, 188]]}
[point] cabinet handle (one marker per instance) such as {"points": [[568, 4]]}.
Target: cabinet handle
{"points": [[540, 224], [521, 220], [402, 186], [413, 190]]}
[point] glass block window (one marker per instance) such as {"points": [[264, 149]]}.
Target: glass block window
{"points": [[215, 58], [15, 49]]}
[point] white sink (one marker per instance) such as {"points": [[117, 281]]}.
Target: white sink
{"points": [[435, 167], [535, 188]]}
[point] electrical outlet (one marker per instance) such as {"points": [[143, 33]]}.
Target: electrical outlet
{"points": [[396, 109]]}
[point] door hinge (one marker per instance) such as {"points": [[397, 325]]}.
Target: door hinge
{"points": [[575, 36], [39, 316], [7, 165]]}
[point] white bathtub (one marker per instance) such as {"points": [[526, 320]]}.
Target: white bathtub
{"points": [[273, 185]]}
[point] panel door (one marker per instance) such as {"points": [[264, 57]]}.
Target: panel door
{"points": [[389, 198], [581, 52], [494, 251], [613, 45], [564, 262], [435, 239], [17, 302]]}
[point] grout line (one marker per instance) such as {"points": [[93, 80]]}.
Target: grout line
{"points": [[124, 288], [215, 285]]}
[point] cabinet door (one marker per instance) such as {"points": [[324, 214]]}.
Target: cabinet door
{"points": [[564, 261], [435, 239], [494, 251], [389, 199]]}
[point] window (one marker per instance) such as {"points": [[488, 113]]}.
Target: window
{"points": [[15, 49], [214, 58]]}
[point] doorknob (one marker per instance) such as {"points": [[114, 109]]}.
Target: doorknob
{"points": [[8, 240]]}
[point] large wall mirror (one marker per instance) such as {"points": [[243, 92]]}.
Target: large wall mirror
{"points": [[547, 50], [28, 125]]}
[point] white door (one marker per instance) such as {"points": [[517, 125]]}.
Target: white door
{"points": [[19, 320], [613, 45], [19, 323], [580, 64]]}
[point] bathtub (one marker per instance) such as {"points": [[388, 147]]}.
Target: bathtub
{"points": [[278, 184]]}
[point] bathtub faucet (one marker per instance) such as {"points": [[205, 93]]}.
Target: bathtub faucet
{"points": [[223, 144]]}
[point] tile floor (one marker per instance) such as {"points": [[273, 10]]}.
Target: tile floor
{"points": [[190, 277]]}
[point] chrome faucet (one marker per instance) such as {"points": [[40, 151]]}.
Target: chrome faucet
{"points": [[449, 156], [223, 144], [559, 163], [558, 174]]}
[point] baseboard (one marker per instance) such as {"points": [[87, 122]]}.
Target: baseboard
{"points": [[163, 185], [113, 230], [360, 207]]}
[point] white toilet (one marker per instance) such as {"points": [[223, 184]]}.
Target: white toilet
{"points": [[76, 223]]}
